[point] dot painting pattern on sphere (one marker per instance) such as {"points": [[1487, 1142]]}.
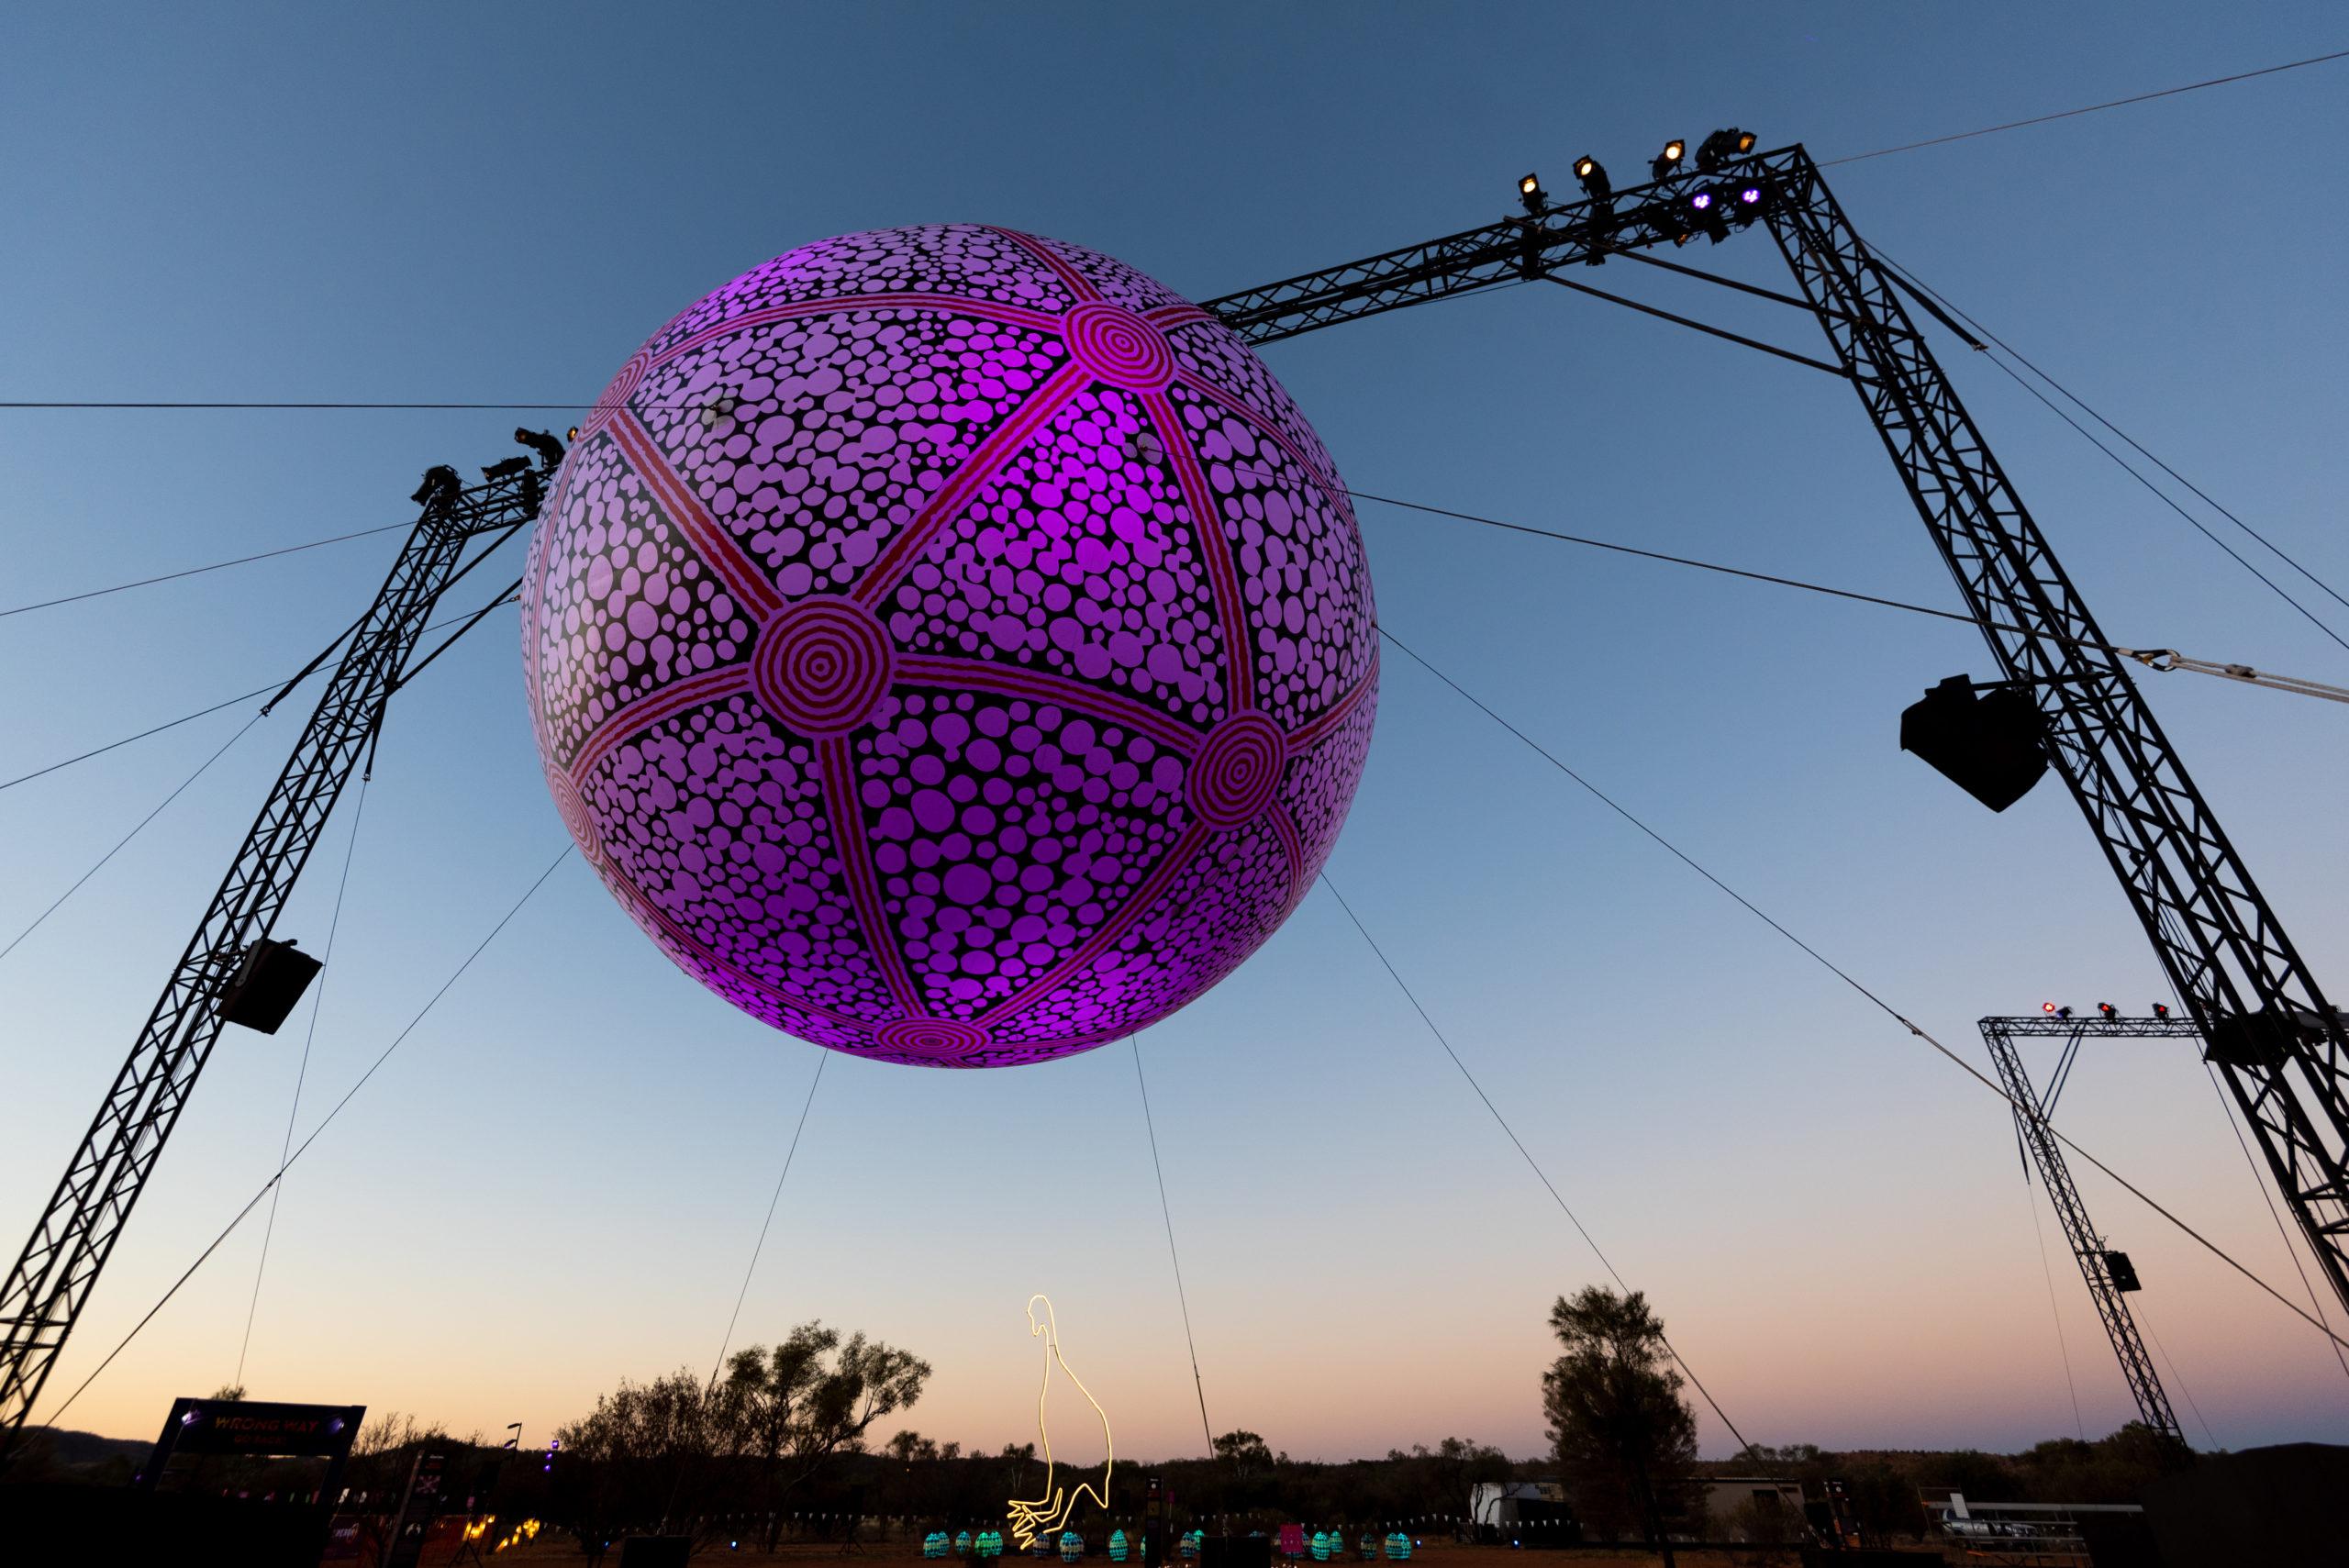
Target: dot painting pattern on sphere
{"points": [[951, 646]]}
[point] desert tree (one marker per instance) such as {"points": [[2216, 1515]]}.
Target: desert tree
{"points": [[1626, 1441]]}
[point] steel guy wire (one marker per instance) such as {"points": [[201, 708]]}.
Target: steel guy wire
{"points": [[2087, 109], [126, 838], [1886, 1007], [303, 1147], [302, 1072]]}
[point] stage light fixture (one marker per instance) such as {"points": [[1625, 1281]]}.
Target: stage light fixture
{"points": [[2108, 1010], [1668, 160], [2062, 1012], [1708, 206], [1593, 175], [439, 478], [2047, 1007], [550, 450], [507, 469], [1722, 146], [2161, 1009]]}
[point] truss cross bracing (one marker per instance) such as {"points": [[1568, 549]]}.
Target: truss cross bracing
{"points": [[2030, 1113], [2258, 1008], [78, 1229], [2264, 1019]]}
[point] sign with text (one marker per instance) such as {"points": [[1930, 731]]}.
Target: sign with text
{"points": [[254, 1429]]}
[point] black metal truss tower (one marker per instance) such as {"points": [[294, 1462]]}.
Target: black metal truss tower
{"points": [[2265, 1021], [2261, 1015], [2031, 1111], [85, 1215]]}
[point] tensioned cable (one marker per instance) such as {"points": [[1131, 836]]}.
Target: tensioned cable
{"points": [[1206, 1428], [126, 838], [184, 718], [2158, 492], [2203, 495], [2046, 1272], [1886, 1007], [760, 1246], [2161, 659], [2258, 1180], [1539, 1174], [303, 1147], [199, 571], [302, 1072], [2184, 1393], [2089, 109], [173, 723]]}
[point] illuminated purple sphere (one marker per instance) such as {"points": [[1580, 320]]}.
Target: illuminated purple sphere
{"points": [[951, 646]]}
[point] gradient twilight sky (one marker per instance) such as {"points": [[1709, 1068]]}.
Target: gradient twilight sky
{"points": [[557, 1179]]}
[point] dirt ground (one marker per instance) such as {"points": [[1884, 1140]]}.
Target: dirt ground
{"points": [[550, 1551]]}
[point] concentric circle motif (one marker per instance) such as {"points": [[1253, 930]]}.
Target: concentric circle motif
{"points": [[1118, 347], [930, 1040], [576, 818], [615, 396], [1238, 771], [950, 646], [822, 665]]}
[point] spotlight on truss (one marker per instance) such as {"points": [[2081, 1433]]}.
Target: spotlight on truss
{"points": [[439, 479], [1593, 175], [1709, 208], [1722, 146], [550, 450], [1668, 160]]}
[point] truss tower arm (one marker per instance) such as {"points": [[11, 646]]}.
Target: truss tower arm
{"points": [[1562, 234], [2267, 1025], [83, 1218], [2265, 1021]]}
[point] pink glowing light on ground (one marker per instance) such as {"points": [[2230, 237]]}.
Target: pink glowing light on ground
{"points": [[951, 646]]}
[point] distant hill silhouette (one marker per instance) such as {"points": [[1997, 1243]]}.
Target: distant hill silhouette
{"points": [[75, 1450]]}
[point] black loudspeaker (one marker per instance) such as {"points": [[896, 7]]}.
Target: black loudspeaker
{"points": [[2120, 1272], [1992, 745], [266, 985]]}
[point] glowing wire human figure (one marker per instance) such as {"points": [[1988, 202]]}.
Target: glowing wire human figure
{"points": [[1044, 1514]]}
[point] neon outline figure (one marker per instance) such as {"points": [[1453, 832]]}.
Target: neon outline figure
{"points": [[1050, 1512]]}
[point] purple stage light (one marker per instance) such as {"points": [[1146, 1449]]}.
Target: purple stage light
{"points": [[1701, 200], [1750, 196], [951, 646]]}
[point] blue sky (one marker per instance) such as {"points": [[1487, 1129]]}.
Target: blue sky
{"points": [[557, 1179]]}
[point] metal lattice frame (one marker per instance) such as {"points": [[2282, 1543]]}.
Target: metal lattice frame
{"points": [[2047, 1155], [85, 1215], [2281, 1047], [2284, 1052]]}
